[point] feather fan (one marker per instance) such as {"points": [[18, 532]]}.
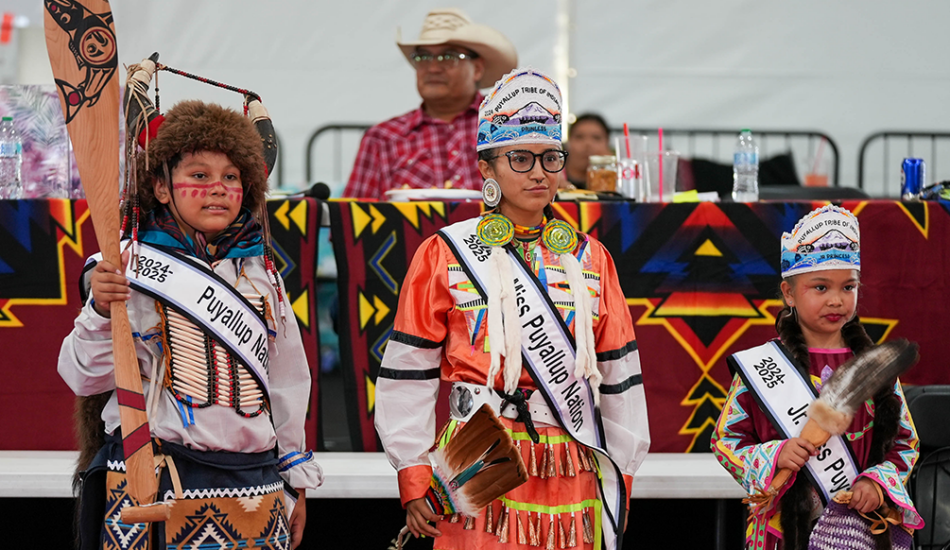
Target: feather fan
{"points": [[853, 383], [479, 464], [858, 380]]}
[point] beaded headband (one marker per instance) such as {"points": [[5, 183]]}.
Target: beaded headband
{"points": [[827, 238]]}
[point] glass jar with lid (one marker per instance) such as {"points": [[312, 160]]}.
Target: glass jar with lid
{"points": [[602, 173]]}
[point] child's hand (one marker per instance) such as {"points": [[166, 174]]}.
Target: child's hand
{"points": [[795, 453], [109, 285], [298, 519], [864, 496], [418, 515]]}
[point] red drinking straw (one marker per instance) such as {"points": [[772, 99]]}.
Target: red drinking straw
{"points": [[659, 163], [626, 138]]}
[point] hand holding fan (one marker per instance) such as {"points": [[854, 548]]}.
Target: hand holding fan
{"points": [[853, 383], [479, 464]]}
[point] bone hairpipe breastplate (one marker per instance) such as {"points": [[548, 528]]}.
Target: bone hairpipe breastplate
{"points": [[202, 373]]}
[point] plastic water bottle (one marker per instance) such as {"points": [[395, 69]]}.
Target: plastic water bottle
{"points": [[745, 169], [11, 158]]}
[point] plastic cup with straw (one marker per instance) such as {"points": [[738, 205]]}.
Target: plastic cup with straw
{"points": [[628, 167]]}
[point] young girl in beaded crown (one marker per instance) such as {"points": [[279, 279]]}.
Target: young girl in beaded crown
{"points": [[818, 331], [226, 377]]}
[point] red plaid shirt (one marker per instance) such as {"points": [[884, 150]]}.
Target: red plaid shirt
{"points": [[418, 151]]}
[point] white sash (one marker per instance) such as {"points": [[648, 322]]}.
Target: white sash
{"points": [[203, 297], [784, 394], [548, 352]]}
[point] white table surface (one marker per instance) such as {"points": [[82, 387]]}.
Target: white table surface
{"points": [[369, 475]]}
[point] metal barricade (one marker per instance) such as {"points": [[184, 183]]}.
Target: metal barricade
{"points": [[345, 142], [335, 160], [889, 148]]}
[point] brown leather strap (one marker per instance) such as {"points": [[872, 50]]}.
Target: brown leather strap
{"points": [[168, 462]]}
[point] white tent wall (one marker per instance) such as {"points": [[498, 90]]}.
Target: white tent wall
{"points": [[313, 63], [845, 67]]}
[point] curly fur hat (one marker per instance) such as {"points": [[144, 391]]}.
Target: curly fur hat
{"points": [[192, 126]]}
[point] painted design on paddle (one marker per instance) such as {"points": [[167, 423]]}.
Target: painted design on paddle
{"points": [[235, 193], [93, 44]]}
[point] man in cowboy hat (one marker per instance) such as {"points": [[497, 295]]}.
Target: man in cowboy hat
{"points": [[434, 145]]}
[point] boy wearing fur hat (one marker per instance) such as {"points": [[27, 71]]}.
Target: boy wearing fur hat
{"points": [[225, 373]]}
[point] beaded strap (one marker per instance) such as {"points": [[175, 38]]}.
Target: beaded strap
{"points": [[243, 91]]}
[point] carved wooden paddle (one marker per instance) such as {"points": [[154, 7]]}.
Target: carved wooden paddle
{"points": [[80, 39]]}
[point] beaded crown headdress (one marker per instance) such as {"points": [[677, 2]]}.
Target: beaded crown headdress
{"points": [[826, 238], [524, 107]]}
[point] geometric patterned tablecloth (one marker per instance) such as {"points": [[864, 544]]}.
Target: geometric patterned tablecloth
{"points": [[701, 281]]}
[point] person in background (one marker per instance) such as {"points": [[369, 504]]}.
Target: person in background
{"points": [[434, 145], [589, 135]]}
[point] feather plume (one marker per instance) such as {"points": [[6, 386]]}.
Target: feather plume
{"points": [[478, 465], [858, 380], [853, 383]]}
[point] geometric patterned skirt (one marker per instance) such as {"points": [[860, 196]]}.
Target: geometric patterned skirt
{"points": [[228, 500], [558, 507]]}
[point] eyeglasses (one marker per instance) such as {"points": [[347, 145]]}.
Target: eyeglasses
{"points": [[445, 59], [552, 160]]}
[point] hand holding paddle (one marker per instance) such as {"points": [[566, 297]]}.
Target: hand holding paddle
{"points": [[80, 39]]}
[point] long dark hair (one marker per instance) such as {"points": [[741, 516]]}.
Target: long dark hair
{"points": [[796, 503]]}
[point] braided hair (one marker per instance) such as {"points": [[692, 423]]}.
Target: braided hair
{"points": [[796, 503]]}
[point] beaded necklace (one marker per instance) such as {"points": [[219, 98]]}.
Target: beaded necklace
{"points": [[530, 231]]}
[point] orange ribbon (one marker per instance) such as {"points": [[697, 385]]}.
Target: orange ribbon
{"points": [[881, 519]]}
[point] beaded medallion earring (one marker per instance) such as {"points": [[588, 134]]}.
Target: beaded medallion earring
{"points": [[491, 193]]}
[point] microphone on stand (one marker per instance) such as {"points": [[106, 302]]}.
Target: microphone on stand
{"points": [[318, 190]]}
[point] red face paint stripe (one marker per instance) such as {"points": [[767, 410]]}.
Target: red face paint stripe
{"points": [[132, 399], [205, 185], [136, 440]]}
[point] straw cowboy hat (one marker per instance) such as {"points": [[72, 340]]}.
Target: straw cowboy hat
{"points": [[446, 25]]}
